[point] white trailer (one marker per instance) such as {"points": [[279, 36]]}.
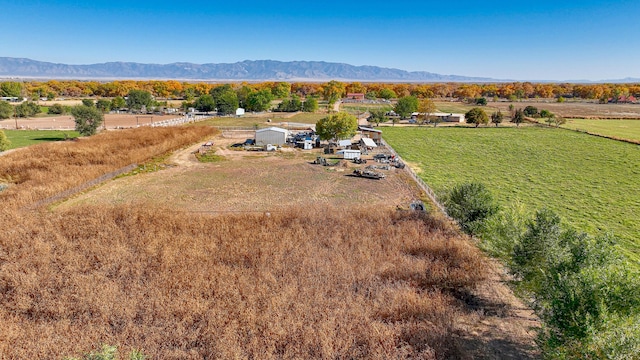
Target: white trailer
{"points": [[350, 154]]}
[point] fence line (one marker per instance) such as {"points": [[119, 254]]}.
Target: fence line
{"points": [[67, 193], [423, 185], [178, 121]]}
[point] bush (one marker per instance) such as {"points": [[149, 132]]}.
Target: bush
{"points": [[6, 110], [56, 109], [581, 287], [531, 111], [27, 109], [87, 119], [470, 205]]}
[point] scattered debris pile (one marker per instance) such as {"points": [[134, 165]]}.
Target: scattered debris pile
{"points": [[368, 174]]}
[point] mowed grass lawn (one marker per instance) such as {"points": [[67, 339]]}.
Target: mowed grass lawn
{"points": [[592, 182], [22, 138], [620, 128]]}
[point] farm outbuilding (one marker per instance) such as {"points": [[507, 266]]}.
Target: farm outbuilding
{"points": [[367, 143], [374, 134], [272, 135], [449, 117]]}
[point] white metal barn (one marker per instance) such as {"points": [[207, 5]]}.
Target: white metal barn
{"points": [[272, 135]]}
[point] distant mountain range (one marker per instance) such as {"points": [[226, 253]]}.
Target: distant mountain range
{"points": [[259, 70]]}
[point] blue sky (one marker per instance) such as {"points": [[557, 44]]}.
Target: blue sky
{"points": [[522, 40]]}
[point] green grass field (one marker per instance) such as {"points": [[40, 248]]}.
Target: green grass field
{"points": [[620, 128], [22, 138], [592, 182]]}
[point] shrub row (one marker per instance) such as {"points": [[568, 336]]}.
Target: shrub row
{"points": [[582, 288]]}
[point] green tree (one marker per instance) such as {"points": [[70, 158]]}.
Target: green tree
{"points": [[27, 109], [217, 91], [378, 115], [243, 94], [559, 120], [470, 204], [259, 100], [4, 142], [87, 119], [497, 117], [290, 105], [118, 102], [544, 113], [426, 107], [11, 89], [226, 99], [548, 116], [580, 286], [387, 94], [103, 105], [205, 103], [227, 103], [310, 104], [371, 95], [6, 110], [333, 91], [137, 99], [337, 126], [406, 105], [281, 90], [518, 117], [531, 111], [476, 116], [481, 101]]}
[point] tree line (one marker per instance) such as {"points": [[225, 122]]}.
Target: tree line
{"points": [[329, 91]]}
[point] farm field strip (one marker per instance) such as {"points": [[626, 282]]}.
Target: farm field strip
{"points": [[591, 182], [617, 128]]}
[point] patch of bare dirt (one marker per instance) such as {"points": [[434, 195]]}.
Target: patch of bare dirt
{"points": [[496, 326], [587, 110], [501, 326]]}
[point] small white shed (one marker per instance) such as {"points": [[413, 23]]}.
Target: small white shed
{"points": [[272, 135], [239, 111]]}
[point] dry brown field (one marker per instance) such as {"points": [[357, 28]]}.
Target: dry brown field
{"points": [[66, 122], [44, 170], [583, 110], [254, 256]]}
